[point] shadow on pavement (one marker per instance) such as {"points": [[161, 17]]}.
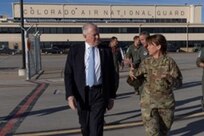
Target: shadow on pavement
{"points": [[8, 68], [136, 114], [124, 119], [182, 102], [48, 111], [121, 113], [190, 129], [190, 84], [38, 112], [124, 95]]}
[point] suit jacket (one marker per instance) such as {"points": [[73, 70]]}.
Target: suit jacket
{"points": [[75, 78]]}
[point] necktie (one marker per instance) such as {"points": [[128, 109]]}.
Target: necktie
{"points": [[91, 67]]}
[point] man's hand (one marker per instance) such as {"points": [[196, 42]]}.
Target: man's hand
{"points": [[110, 104], [72, 102], [201, 65]]}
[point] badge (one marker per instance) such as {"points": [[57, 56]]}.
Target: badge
{"points": [[145, 53], [199, 54]]}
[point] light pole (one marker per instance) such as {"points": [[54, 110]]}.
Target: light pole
{"points": [[22, 70], [187, 37], [22, 35], [140, 25], [27, 48]]}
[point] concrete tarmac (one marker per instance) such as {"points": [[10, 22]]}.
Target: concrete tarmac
{"points": [[38, 107]]}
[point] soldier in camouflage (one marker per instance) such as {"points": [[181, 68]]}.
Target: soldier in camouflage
{"points": [[143, 50], [161, 75], [138, 51], [200, 63], [138, 55], [133, 59], [132, 53], [117, 59]]}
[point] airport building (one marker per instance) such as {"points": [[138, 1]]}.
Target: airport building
{"points": [[60, 24]]}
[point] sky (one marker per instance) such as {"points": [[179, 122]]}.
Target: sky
{"points": [[6, 5]]}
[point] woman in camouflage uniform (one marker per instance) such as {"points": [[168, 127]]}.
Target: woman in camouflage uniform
{"points": [[161, 76]]}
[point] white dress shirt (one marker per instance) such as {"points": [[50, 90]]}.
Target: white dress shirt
{"points": [[97, 63]]}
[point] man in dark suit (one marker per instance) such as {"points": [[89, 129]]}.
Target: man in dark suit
{"points": [[90, 91]]}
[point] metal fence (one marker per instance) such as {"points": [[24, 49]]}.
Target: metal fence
{"points": [[33, 55]]}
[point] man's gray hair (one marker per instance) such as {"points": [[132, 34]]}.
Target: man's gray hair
{"points": [[87, 26], [145, 33]]}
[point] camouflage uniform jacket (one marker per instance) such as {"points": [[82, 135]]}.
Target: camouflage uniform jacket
{"points": [[143, 53], [133, 53], [200, 57], [117, 58], [158, 90]]}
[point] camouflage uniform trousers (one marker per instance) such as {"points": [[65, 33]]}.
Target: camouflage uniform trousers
{"points": [[157, 122]]}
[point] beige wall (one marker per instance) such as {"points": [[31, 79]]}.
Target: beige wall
{"points": [[10, 37], [191, 13], [198, 13], [16, 38]]}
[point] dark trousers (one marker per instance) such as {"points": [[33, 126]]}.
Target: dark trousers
{"points": [[91, 114]]}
